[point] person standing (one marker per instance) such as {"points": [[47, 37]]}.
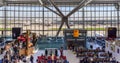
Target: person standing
{"points": [[56, 52], [61, 51], [31, 59]]}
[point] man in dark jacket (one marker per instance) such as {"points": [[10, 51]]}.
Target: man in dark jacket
{"points": [[31, 59]]}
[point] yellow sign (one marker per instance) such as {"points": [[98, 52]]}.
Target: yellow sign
{"points": [[76, 33]]}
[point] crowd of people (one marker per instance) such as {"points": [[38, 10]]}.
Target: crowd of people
{"points": [[12, 55], [98, 60], [53, 58], [95, 56]]}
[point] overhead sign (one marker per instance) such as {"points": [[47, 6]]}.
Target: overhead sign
{"points": [[75, 33]]}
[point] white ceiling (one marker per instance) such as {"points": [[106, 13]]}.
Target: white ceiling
{"points": [[61, 2], [1, 2], [66, 0]]}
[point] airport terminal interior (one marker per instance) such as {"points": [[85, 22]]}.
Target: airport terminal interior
{"points": [[59, 31]]}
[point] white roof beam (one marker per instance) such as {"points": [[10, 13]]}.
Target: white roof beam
{"points": [[41, 2]]}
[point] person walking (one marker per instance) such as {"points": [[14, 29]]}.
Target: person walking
{"points": [[31, 59]]}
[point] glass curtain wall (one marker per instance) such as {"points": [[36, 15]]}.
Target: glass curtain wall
{"points": [[94, 18], [2, 26], [100, 16]]}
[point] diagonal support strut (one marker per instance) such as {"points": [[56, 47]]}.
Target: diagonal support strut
{"points": [[51, 1], [53, 11], [59, 29], [64, 20]]}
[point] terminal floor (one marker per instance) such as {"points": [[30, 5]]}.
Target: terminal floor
{"points": [[71, 57], [69, 54]]}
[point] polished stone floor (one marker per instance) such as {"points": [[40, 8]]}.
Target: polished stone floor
{"points": [[71, 57]]}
